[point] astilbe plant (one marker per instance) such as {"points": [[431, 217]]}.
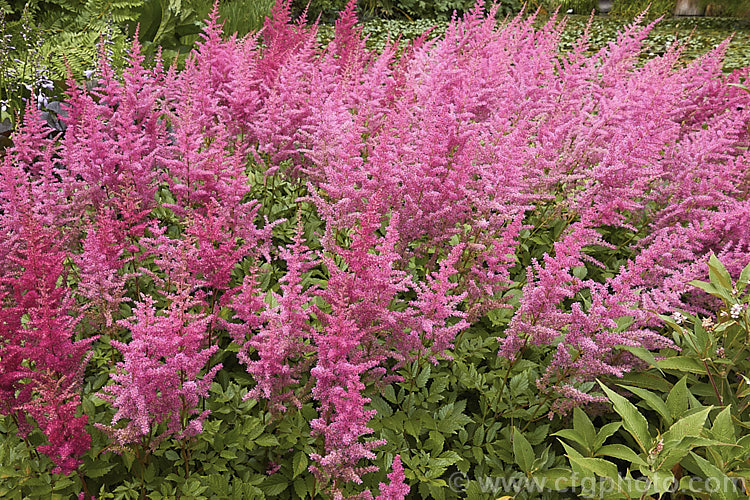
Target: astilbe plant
{"points": [[42, 360], [157, 388], [43, 363], [277, 333], [347, 331], [437, 169], [466, 136]]}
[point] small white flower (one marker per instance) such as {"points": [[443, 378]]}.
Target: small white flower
{"points": [[735, 311], [678, 317], [707, 323]]}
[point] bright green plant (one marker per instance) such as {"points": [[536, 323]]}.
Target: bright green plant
{"points": [[678, 447], [654, 455]]}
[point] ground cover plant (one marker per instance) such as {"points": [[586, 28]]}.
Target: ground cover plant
{"points": [[303, 271]]}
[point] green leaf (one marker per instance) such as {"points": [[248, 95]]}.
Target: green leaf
{"points": [[642, 354], [622, 452], [692, 425], [299, 463], [98, 468], [646, 380], [599, 466], [519, 384], [423, 377], [655, 402], [661, 480], [573, 436], [718, 274], [522, 451], [571, 452], [632, 420], [300, 487], [274, 485], [678, 398], [725, 487], [744, 279], [267, 440], [412, 427], [583, 426], [683, 364], [606, 431], [709, 288], [557, 478], [723, 427]]}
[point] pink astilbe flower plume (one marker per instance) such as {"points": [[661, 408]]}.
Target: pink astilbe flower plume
{"points": [[115, 140], [397, 489], [157, 387], [277, 333], [42, 361], [42, 366]]}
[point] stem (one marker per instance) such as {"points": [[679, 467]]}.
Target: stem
{"points": [[713, 383], [531, 419], [519, 355], [86, 492], [141, 469], [185, 459]]}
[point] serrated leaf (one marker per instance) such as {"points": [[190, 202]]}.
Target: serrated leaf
{"points": [[622, 452], [583, 426], [723, 427], [683, 364], [98, 468], [519, 384], [556, 479], [718, 274], [267, 440], [299, 464], [717, 477], [300, 487], [632, 420], [574, 436], [677, 399], [423, 377], [655, 402], [692, 425], [642, 354], [274, 485], [646, 380], [744, 279], [606, 431], [599, 466]]}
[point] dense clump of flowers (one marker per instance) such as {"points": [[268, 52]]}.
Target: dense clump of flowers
{"points": [[436, 170], [42, 360], [158, 380]]}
